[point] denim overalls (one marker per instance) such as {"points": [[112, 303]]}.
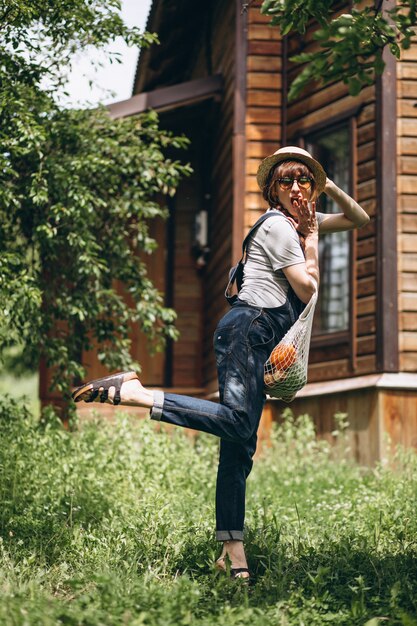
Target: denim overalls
{"points": [[243, 341]]}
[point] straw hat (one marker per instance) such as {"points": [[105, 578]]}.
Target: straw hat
{"points": [[292, 153]]}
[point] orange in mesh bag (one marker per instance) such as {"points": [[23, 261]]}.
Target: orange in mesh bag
{"points": [[285, 371], [283, 356]]}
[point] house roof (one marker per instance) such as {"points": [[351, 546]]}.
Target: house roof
{"points": [[168, 98], [180, 25]]}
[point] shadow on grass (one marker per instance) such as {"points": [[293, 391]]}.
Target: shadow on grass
{"points": [[336, 578]]}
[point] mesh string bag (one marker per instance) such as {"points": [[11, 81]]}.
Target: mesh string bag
{"points": [[285, 372]]}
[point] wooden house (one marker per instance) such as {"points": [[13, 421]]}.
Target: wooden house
{"points": [[220, 76]]}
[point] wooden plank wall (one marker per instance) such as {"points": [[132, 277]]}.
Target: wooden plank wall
{"points": [[188, 290], [152, 364], [319, 105], [198, 298], [372, 413], [263, 135], [365, 305], [361, 407], [263, 104], [407, 206], [398, 417], [220, 219]]}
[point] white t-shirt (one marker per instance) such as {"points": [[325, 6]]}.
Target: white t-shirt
{"points": [[274, 246]]}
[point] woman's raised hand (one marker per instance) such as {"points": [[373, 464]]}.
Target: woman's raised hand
{"points": [[307, 220]]}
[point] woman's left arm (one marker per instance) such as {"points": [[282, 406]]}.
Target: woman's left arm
{"points": [[353, 215]]}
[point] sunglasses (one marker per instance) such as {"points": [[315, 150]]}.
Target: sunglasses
{"points": [[286, 183]]}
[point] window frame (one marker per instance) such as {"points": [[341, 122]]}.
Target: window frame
{"points": [[346, 337]]}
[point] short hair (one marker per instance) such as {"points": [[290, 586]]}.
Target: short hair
{"points": [[288, 168]]}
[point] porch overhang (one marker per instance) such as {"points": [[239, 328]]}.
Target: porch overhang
{"points": [[168, 98]]}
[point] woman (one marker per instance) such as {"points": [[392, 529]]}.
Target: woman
{"points": [[281, 274]]}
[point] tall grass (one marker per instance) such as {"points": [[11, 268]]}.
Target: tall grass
{"points": [[113, 524]]}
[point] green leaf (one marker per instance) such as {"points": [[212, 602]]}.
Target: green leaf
{"points": [[355, 86], [350, 43], [286, 29], [395, 50], [77, 192]]}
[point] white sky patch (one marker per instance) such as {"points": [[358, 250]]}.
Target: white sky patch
{"points": [[94, 79]]}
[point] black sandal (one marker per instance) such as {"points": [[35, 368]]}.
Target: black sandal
{"points": [[94, 386], [234, 571]]}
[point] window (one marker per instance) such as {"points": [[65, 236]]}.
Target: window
{"points": [[332, 149]]}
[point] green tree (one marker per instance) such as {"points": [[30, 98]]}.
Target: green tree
{"points": [[350, 45], [77, 192]]}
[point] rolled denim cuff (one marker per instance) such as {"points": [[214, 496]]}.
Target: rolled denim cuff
{"points": [[229, 535], [158, 405]]}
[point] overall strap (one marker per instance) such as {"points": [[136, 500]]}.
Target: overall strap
{"points": [[236, 273], [261, 220]]}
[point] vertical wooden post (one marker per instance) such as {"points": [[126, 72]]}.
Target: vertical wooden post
{"points": [[284, 91], [239, 133], [386, 226], [353, 306]]}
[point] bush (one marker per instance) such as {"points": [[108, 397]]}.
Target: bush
{"points": [[78, 193], [113, 524]]}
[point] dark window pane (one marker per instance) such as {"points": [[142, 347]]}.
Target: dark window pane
{"points": [[332, 149]]}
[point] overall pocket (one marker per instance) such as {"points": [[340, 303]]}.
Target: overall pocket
{"points": [[223, 343], [261, 332]]}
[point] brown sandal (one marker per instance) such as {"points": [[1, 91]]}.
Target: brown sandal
{"points": [[94, 386]]}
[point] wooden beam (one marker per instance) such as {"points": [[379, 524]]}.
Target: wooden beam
{"points": [[168, 98], [353, 249], [402, 380], [342, 116], [386, 188], [239, 138]]}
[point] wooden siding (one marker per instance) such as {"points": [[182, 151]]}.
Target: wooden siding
{"points": [[152, 364], [365, 262], [223, 61], [407, 206], [317, 108], [187, 292], [379, 419], [263, 104], [198, 297]]}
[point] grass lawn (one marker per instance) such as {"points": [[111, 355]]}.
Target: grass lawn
{"points": [[113, 525]]}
